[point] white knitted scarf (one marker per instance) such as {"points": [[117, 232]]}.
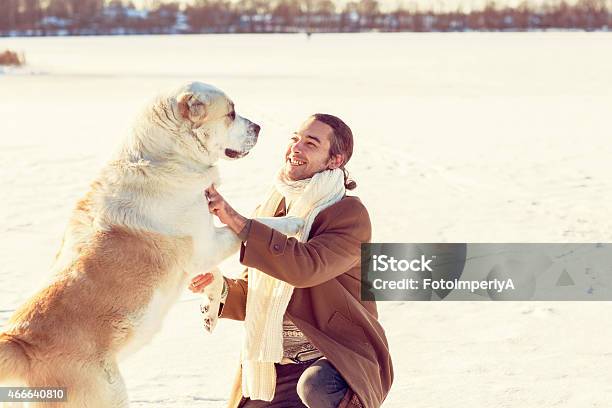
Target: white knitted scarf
{"points": [[268, 297]]}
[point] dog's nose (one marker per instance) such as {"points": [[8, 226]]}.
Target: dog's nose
{"points": [[256, 129]]}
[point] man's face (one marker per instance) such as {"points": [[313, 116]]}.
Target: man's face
{"points": [[308, 150]]}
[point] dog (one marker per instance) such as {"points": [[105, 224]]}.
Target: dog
{"points": [[132, 243]]}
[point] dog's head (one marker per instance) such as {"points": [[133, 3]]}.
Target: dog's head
{"points": [[214, 127]]}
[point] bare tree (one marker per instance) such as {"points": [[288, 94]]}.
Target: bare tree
{"points": [[287, 11], [368, 10], [8, 16], [104, 16], [209, 15]]}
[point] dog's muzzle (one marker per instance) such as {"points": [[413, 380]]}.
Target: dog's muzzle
{"points": [[253, 135]]}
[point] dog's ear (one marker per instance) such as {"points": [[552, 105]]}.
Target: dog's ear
{"points": [[191, 108]]}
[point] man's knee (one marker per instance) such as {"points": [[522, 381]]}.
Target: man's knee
{"points": [[321, 386]]}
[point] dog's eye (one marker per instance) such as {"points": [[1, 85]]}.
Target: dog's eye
{"points": [[232, 115]]}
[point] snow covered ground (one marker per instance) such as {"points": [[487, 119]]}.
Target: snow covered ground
{"points": [[458, 138]]}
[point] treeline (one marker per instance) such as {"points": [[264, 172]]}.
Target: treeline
{"points": [[91, 17]]}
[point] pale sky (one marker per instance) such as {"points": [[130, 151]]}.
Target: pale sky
{"points": [[423, 4]]}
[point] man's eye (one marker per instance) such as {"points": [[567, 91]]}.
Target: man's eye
{"points": [[310, 144], [293, 138], [232, 115]]}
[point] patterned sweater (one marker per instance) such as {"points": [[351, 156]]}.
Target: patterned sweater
{"points": [[296, 347]]}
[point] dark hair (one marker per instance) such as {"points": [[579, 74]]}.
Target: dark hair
{"points": [[342, 143]]}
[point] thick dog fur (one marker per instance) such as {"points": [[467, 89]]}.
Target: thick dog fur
{"points": [[132, 244]]}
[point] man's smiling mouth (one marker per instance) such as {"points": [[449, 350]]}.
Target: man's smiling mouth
{"points": [[295, 162]]}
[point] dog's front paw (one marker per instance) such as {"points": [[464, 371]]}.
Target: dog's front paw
{"points": [[288, 224], [210, 312], [292, 225]]}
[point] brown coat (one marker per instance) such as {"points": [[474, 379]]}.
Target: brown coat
{"points": [[325, 303]]}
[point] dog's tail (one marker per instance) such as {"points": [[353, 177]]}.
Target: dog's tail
{"points": [[14, 363]]}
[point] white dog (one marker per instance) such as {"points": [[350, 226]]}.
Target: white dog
{"points": [[132, 244]]}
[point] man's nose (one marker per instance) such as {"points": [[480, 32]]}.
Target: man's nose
{"points": [[296, 147]]}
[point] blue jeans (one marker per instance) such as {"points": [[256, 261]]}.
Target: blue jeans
{"points": [[315, 384]]}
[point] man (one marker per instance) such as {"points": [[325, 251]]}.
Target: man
{"points": [[309, 339]]}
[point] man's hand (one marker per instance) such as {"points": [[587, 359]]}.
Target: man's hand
{"points": [[226, 214], [201, 281]]}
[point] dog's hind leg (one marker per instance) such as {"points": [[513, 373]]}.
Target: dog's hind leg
{"points": [[14, 362], [112, 387], [96, 385], [115, 392]]}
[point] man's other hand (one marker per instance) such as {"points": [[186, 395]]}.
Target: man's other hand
{"points": [[201, 281]]}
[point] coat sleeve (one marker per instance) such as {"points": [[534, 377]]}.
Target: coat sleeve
{"points": [[334, 249], [235, 304]]}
